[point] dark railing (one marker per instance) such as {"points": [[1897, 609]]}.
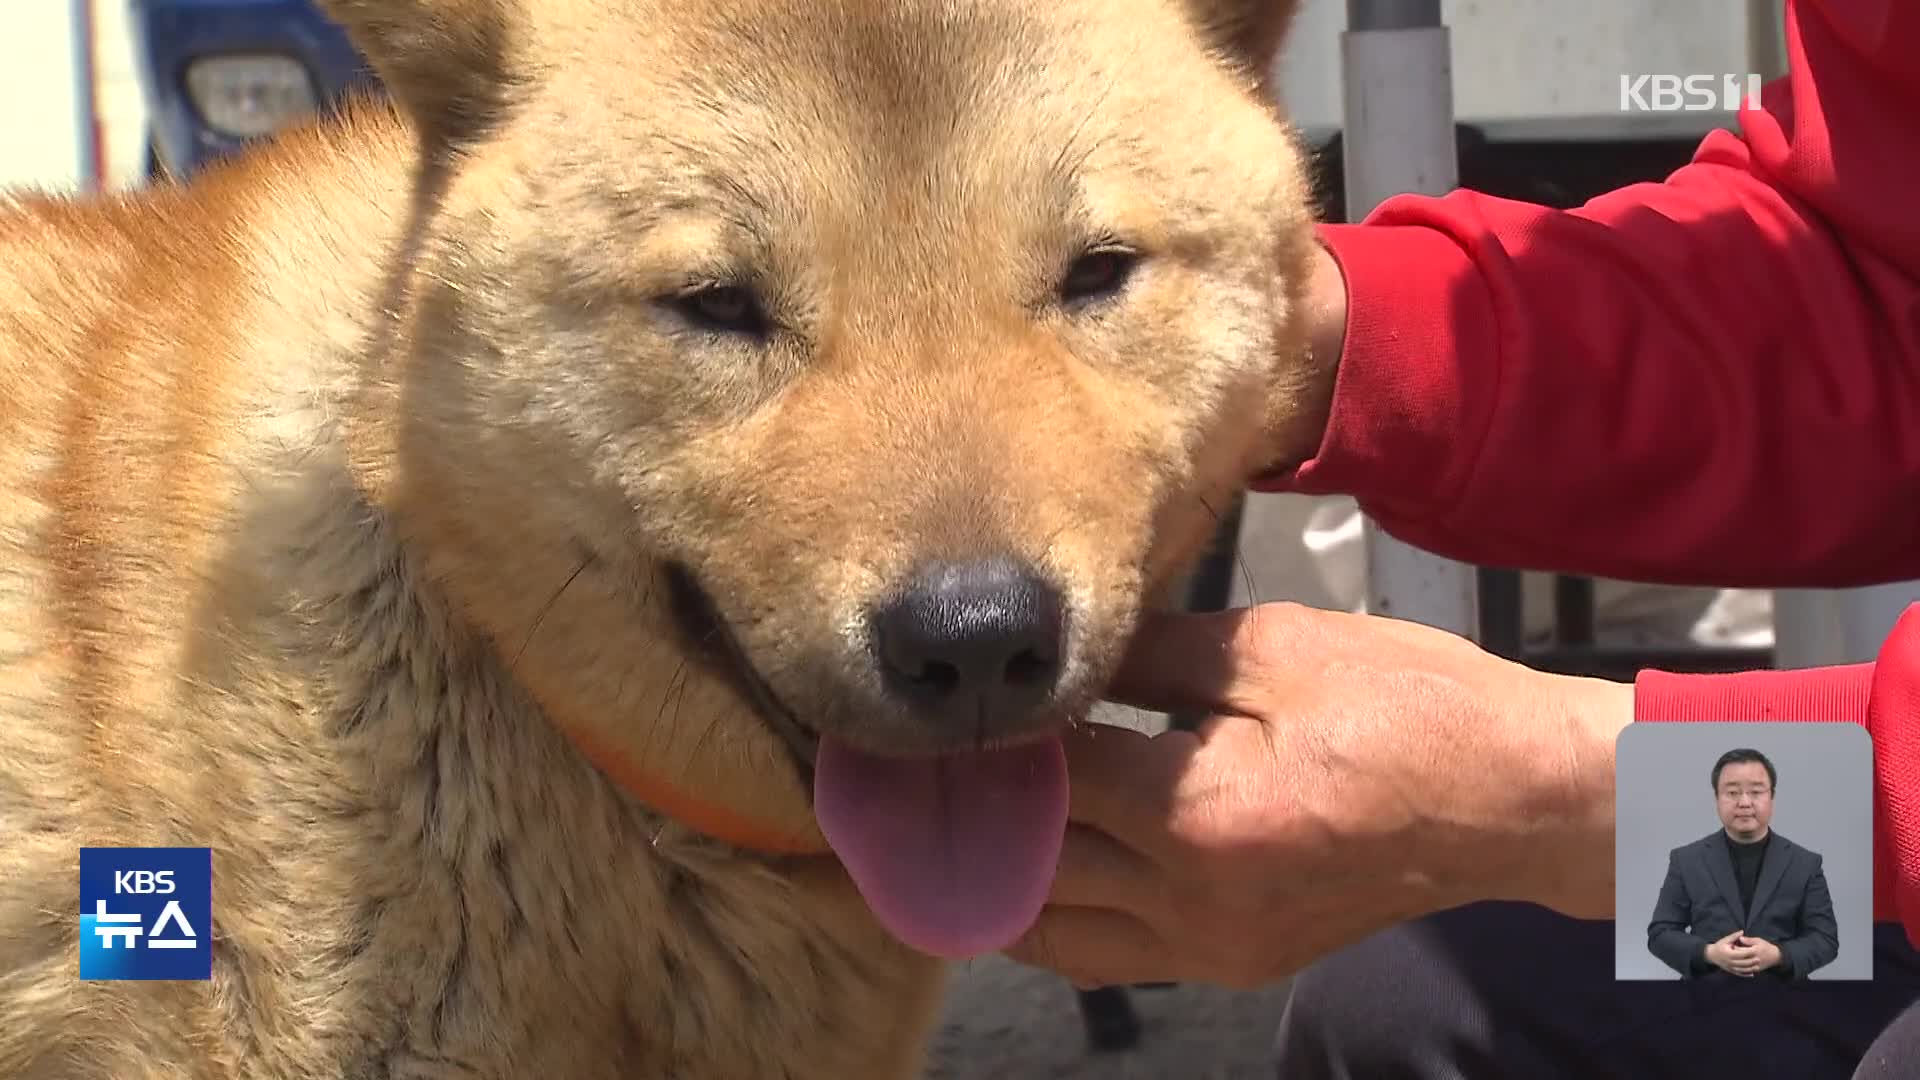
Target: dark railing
{"points": [[1574, 649]]}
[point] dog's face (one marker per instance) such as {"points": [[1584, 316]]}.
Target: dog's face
{"points": [[811, 393]]}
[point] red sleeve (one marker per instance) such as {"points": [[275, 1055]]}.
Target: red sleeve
{"points": [[1883, 696], [1712, 380]]}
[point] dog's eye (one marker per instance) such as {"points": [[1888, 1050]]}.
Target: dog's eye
{"points": [[727, 308], [1097, 274]]}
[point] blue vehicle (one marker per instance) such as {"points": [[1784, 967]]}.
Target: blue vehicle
{"points": [[218, 74]]}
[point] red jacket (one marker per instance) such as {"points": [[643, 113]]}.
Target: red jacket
{"points": [[1714, 380]]}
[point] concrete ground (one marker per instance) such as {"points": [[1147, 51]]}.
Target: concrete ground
{"points": [[1008, 1022]]}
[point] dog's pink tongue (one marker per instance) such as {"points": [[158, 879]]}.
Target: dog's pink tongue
{"points": [[954, 854]]}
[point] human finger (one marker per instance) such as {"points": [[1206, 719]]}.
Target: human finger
{"points": [[1094, 947], [1097, 870], [1182, 661], [1124, 782]]}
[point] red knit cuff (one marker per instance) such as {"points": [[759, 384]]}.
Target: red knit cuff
{"points": [[1399, 395], [1814, 695], [1840, 695], [1896, 773]]}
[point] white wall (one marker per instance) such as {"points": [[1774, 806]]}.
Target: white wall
{"points": [[122, 109], [1512, 58], [39, 118], [1533, 58]]}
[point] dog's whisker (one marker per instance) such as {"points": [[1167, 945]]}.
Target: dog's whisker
{"points": [[1246, 576], [1239, 560], [705, 732], [676, 689], [541, 616], [680, 698]]}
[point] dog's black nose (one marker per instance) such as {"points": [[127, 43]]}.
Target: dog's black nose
{"points": [[968, 642]]}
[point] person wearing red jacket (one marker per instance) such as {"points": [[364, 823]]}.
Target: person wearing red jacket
{"points": [[1711, 380]]}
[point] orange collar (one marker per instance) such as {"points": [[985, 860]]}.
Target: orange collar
{"points": [[685, 808]]}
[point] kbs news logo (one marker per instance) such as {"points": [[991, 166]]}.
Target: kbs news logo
{"points": [[146, 913], [1688, 93]]}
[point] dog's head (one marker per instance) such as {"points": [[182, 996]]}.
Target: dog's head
{"points": [[806, 396]]}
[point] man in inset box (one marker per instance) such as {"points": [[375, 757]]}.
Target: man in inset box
{"points": [[1744, 900]]}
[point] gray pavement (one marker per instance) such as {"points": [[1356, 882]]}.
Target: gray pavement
{"points": [[1008, 1022]]}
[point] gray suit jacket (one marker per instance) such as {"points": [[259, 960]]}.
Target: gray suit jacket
{"points": [[1700, 904]]}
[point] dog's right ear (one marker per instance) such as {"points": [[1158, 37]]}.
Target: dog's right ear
{"points": [[1248, 34], [447, 63]]}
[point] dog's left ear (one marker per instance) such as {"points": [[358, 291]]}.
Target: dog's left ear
{"points": [[1247, 34], [447, 63]]}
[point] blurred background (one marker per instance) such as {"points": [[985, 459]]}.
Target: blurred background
{"points": [[116, 93]]}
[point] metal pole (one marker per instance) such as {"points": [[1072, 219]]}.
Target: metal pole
{"points": [[86, 105], [1767, 38], [1398, 136], [1365, 15]]}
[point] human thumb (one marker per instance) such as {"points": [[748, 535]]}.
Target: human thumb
{"points": [[1182, 661]]}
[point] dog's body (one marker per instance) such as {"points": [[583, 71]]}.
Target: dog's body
{"points": [[367, 515]]}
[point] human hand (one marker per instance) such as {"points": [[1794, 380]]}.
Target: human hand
{"points": [[1720, 953], [1352, 772], [1751, 955], [1302, 401]]}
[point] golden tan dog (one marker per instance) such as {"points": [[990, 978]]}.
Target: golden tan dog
{"points": [[523, 531]]}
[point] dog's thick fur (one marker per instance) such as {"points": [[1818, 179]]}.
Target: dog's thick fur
{"points": [[342, 490]]}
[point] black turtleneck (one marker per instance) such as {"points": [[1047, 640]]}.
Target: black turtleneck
{"points": [[1746, 866]]}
